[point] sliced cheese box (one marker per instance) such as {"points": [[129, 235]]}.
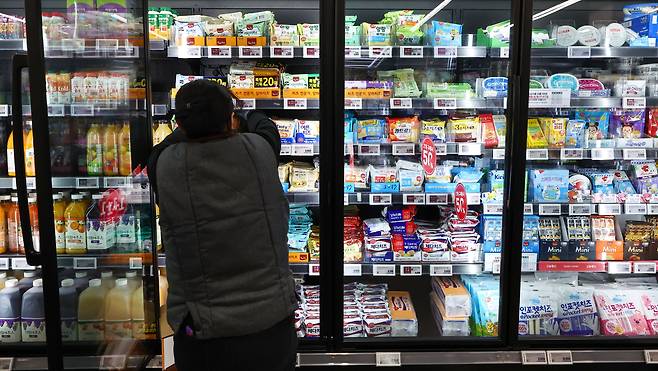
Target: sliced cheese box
{"points": [[448, 326], [404, 321], [453, 295]]}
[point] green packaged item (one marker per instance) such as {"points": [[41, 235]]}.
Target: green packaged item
{"points": [[352, 35], [404, 82], [391, 17], [153, 15], [233, 17], [376, 34], [309, 34], [534, 84], [350, 20], [294, 81], [251, 29], [283, 35], [259, 17], [460, 90]]}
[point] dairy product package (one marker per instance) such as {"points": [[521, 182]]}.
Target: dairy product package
{"points": [[287, 130], [284, 35], [403, 129], [538, 311], [309, 34], [576, 313], [376, 34], [620, 313], [304, 177], [218, 27], [435, 129], [403, 315], [453, 294], [444, 34], [448, 326], [307, 131], [377, 324], [650, 303], [404, 82]]}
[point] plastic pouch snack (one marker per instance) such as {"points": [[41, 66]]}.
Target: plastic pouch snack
{"points": [[536, 137], [303, 177], [287, 130], [576, 313], [309, 34], [463, 128], [308, 131], [444, 34], [596, 124], [627, 124], [370, 131], [383, 174], [489, 135], [435, 129], [294, 81], [284, 171], [404, 82], [620, 313], [404, 129], [575, 135], [218, 27], [284, 35]]}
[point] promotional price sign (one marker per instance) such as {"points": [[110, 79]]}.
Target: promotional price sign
{"points": [[428, 156], [461, 205]]}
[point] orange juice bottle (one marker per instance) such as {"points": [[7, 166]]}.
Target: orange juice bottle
{"points": [[74, 216], [34, 221], [11, 164], [125, 161], [13, 226], [110, 151], [28, 144], [59, 207], [94, 151], [118, 316], [161, 132]]}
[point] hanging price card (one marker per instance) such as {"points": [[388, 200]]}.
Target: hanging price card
{"points": [[579, 52], [368, 149], [445, 52], [634, 102], [619, 267], [441, 270], [219, 52], [635, 209], [353, 103], [250, 51], [401, 103], [413, 199], [383, 270], [460, 201], [609, 209], [352, 270], [380, 199], [428, 156], [644, 267], [295, 103], [311, 52], [411, 270], [537, 154], [352, 52], [380, 52], [498, 154], [634, 154], [282, 52], [469, 149], [411, 51], [603, 154], [571, 154], [582, 209], [302, 150], [84, 263], [314, 269], [550, 209], [559, 357], [436, 199], [404, 149]]}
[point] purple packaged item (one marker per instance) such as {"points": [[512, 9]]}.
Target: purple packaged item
{"points": [[361, 84], [407, 228], [627, 124]]}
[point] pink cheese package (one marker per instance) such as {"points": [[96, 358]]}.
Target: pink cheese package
{"points": [[621, 313], [650, 304]]}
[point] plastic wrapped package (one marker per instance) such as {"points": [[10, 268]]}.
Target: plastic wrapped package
{"points": [[454, 296], [620, 312], [447, 326], [404, 321]]}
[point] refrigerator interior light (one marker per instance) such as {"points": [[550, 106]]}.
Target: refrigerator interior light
{"points": [[554, 9], [431, 14]]}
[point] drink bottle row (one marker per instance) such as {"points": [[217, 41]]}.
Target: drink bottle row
{"points": [[92, 309], [84, 223]]}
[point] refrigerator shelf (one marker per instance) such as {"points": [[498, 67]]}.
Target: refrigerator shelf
{"points": [[89, 48], [408, 198], [77, 182], [575, 209], [82, 261], [300, 149], [311, 198], [131, 107], [243, 52], [611, 267], [619, 149], [412, 149], [586, 52], [378, 106]]}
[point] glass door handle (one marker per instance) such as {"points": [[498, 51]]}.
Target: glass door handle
{"points": [[20, 62]]}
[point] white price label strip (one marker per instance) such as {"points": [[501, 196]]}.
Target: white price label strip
{"points": [[4, 110], [383, 270], [559, 357], [652, 209], [4, 264], [83, 183], [346, 199], [286, 150], [436, 199], [504, 52], [495, 267], [441, 149], [353, 103], [634, 103], [352, 270], [401, 103], [389, 359], [609, 209], [469, 149], [445, 103], [56, 110], [635, 209], [493, 209], [413, 199], [651, 356], [31, 183], [380, 52], [619, 267], [411, 270], [499, 154], [537, 154], [189, 52], [579, 52], [302, 150], [603, 154], [369, 149], [250, 52], [295, 103], [528, 209], [82, 110], [584, 209], [441, 270], [219, 52], [248, 104], [571, 154], [550, 209], [411, 51], [282, 52], [445, 52], [84, 263], [635, 154], [135, 263], [533, 357], [314, 269], [311, 52], [352, 52], [404, 149], [380, 199], [644, 267], [21, 264]]}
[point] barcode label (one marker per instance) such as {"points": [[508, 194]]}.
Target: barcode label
{"points": [[84, 263], [250, 52], [413, 199], [282, 52], [441, 270], [383, 270], [550, 209], [219, 52], [352, 270], [411, 51]]}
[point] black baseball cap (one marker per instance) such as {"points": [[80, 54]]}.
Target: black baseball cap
{"points": [[204, 108]]}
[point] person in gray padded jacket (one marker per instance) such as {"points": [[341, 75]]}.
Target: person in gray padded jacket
{"points": [[224, 222]]}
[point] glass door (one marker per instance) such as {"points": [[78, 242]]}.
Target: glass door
{"points": [[84, 159], [591, 170], [424, 147], [268, 56]]}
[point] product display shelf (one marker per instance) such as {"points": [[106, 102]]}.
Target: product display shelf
{"points": [[273, 104], [634, 102], [413, 51], [611, 267], [309, 198], [13, 45], [586, 52], [407, 198], [244, 52], [87, 48], [631, 207], [85, 182], [413, 149], [90, 261], [640, 149], [398, 103], [129, 108]]}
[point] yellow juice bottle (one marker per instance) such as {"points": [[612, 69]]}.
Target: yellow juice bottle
{"points": [[161, 132], [74, 216], [94, 151], [11, 164], [110, 151], [28, 144], [125, 159], [59, 208]]}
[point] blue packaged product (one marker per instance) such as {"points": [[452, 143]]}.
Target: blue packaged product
{"points": [[350, 127], [637, 10], [371, 131], [405, 228], [492, 87], [376, 227], [622, 183], [550, 185], [450, 187], [576, 313], [492, 233], [602, 184], [444, 34], [308, 131], [388, 187], [575, 134], [562, 81], [644, 25], [399, 214], [466, 175], [537, 311], [596, 124], [406, 248], [530, 242]]}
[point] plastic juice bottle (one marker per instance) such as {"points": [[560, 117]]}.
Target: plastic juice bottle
{"points": [[59, 208], [137, 312], [100, 232], [27, 281], [33, 316], [3, 226], [91, 312], [126, 233], [110, 151], [74, 216], [80, 147], [28, 144], [125, 154], [107, 278], [81, 281], [86, 199], [68, 301], [34, 222], [134, 282], [11, 164], [3, 280], [144, 238], [161, 131], [13, 226], [94, 151], [118, 319], [10, 312]]}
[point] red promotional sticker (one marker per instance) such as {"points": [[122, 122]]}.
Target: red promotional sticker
{"points": [[461, 205], [428, 156]]}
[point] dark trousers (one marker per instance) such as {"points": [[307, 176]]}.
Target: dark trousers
{"points": [[273, 349]]}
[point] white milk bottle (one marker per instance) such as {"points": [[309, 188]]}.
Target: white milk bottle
{"points": [[137, 313], [10, 312], [107, 278], [118, 321], [25, 283], [133, 281], [91, 312], [81, 281], [68, 302], [33, 316], [3, 279]]}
